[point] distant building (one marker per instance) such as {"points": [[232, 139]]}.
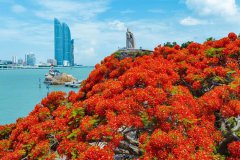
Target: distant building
{"points": [[72, 51], [20, 61], [58, 42], [14, 60], [30, 59], [5, 62], [52, 62], [63, 44]]}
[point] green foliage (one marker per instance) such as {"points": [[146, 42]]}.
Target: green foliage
{"points": [[210, 39], [218, 79], [239, 35], [145, 119], [77, 112], [94, 122], [121, 54], [74, 134], [185, 45], [187, 121], [170, 44], [117, 54], [214, 52], [5, 132]]}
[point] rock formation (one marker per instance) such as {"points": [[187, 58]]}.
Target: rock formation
{"points": [[59, 79]]}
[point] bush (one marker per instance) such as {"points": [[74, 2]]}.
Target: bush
{"points": [[175, 103]]}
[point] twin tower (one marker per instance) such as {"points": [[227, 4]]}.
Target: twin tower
{"points": [[63, 44]]}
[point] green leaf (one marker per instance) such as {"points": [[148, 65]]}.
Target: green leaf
{"points": [[218, 79], [213, 52], [78, 111], [231, 72], [74, 134], [145, 119]]}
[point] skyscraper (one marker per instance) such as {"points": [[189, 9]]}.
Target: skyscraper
{"points": [[72, 51], [30, 59], [58, 42], [63, 44]]}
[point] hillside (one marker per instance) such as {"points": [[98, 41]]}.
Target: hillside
{"points": [[174, 103]]}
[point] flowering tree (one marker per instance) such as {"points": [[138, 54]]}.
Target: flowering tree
{"points": [[175, 103]]}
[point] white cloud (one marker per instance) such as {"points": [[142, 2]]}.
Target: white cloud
{"points": [[18, 8], [31, 33], [117, 25], [189, 21], [95, 39], [214, 7], [89, 52], [66, 9], [31, 37]]}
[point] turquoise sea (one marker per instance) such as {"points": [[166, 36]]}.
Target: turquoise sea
{"points": [[20, 91]]}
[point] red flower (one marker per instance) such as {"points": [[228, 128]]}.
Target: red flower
{"points": [[164, 105], [196, 85], [234, 149], [232, 36]]}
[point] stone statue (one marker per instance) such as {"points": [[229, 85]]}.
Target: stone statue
{"points": [[130, 43]]}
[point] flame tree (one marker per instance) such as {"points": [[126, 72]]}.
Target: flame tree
{"points": [[174, 103]]}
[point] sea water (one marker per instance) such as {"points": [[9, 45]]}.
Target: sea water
{"points": [[22, 89]]}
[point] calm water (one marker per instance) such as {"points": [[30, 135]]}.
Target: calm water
{"points": [[20, 92]]}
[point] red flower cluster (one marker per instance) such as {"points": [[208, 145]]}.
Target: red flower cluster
{"points": [[164, 105], [234, 149]]}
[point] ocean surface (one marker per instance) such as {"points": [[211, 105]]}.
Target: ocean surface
{"points": [[20, 91]]}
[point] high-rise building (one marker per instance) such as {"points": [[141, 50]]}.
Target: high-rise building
{"points": [[14, 60], [58, 42], [20, 61], [30, 59], [63, 44], [72, 51]]}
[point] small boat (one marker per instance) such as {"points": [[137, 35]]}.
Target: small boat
{"points": [[67, 83], [73, 84]]}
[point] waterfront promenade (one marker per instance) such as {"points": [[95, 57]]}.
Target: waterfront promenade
{"points": [[10, 67], [7, 67]]}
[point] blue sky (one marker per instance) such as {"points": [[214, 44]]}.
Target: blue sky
{"points": [[99, 26]]}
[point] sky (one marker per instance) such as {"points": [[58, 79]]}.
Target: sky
{"points": [[99, 26]]}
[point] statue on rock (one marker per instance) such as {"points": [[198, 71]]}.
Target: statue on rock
{"points": [[130, 42]]}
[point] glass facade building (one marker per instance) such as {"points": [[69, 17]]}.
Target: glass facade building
{"points": [[63, 44], [30, 59], [72, 51], [58, 42]]}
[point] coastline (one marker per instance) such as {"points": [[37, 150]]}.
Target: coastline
{"points": [[38, 67]]}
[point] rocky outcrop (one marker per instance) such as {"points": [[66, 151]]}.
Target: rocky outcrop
{"points": [[59, 79]]}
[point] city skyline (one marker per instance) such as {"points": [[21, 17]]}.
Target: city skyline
{"points": [[24, 61], [63, 44], [98, 26]]}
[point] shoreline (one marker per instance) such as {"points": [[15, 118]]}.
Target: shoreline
{"points": [[47, 67]]}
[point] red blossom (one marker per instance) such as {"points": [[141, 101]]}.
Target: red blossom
{"points": [[169, 103], [232, 36], [234, 149]]}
